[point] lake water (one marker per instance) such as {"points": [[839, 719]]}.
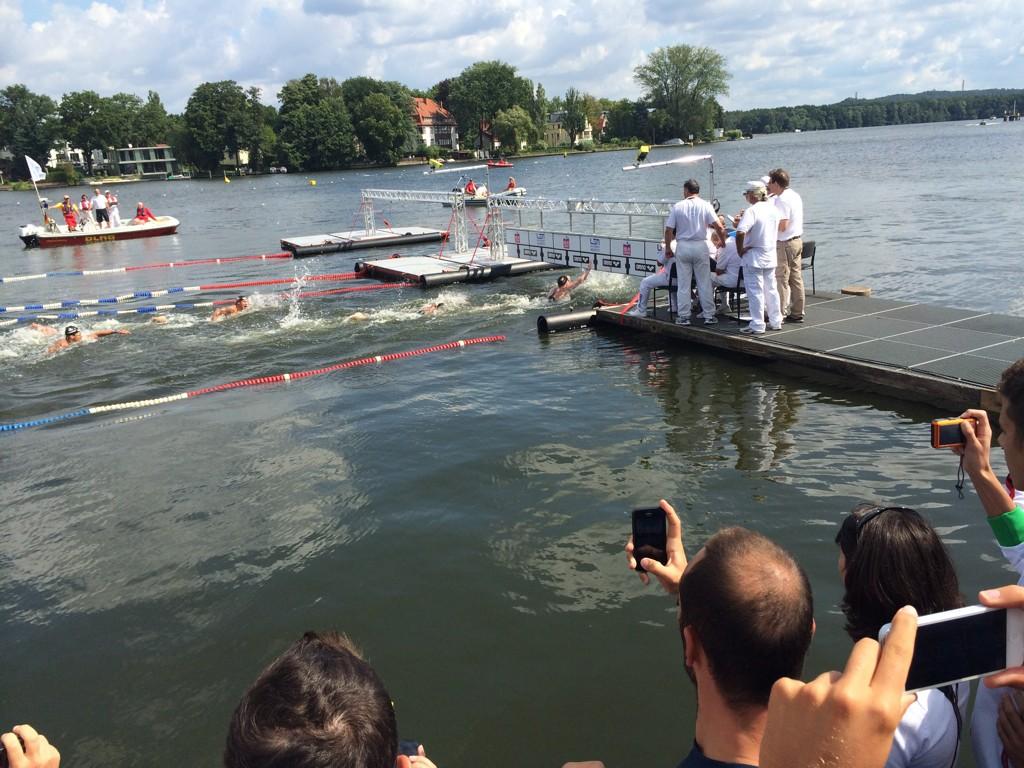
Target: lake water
{"points": [[462, 514]]}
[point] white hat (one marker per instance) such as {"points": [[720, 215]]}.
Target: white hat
{"points": [[765, 180], [756, 186]]}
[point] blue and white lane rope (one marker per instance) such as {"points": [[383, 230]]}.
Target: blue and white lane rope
{"points": [[25, 319], [69, 303], [162, 265], [241, 383]]}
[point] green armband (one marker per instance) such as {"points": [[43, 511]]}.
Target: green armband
{"points": [[1009, 527]]}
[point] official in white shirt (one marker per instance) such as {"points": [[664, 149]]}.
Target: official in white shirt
{"points": [[790, 247], [687, 224], [755, 242]]}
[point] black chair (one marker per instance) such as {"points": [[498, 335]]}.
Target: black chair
{"points": [[671, 287], [736, 296], [807, 262]]}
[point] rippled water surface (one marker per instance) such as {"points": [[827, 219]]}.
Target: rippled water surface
{"points": [[460, 514]]}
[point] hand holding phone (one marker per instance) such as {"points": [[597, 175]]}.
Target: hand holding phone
{"points": [[963, 644], [650, 536]]}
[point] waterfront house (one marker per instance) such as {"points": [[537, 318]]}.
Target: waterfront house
{"points": [[148, 162], [435, 124], [556, 136]]}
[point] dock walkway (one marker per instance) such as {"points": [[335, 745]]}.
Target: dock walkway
{"points": [[942, 356]]}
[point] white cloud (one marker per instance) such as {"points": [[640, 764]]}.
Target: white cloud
{"points": [[805, 51]]}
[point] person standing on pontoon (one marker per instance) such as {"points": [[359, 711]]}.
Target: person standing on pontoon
{"points": [[687, 224], [756, 243]]}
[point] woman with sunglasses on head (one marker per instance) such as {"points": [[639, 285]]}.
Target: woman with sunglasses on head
{"points": [[890, 557]]}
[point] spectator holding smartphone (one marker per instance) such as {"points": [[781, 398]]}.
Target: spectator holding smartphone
{"points": [[746, 618], [992, 716], [318, 705], [890, 557]]}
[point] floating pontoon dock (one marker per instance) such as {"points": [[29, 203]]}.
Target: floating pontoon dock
{"points": [[459, 268], [312, 245], [373, 237], [946, 357]]}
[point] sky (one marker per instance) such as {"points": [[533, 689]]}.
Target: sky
{"points": [[779, 53]]}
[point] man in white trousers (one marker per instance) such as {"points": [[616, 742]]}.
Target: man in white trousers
{"points": [[687, 224], [756, 236]]}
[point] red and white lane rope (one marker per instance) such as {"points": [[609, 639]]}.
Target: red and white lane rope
{"points": [[253, 382]]}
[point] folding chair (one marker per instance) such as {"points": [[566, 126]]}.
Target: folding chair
{"points": [[807, 262]]}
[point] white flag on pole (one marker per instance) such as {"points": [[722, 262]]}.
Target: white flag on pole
{"points": [[37, 173]]}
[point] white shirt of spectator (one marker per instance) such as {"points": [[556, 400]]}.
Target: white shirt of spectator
{"points": [[791, 207], [99, 202], [690, 218], [759, 226], [729, 261]]}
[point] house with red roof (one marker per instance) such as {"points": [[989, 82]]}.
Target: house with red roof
{"points": [[435, 124]]}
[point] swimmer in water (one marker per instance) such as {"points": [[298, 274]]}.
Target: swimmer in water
{"points": [[73, 335], [431, 309], [564, 288], [356, 317], [241, 304]]}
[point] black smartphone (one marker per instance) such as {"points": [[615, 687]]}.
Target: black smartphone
{"points": [[408, 747], [650, 535], [963, 644]]}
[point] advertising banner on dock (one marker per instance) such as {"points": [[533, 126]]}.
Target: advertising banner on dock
{"points": [[631, 256]]}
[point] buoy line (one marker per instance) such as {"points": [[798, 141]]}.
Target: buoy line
{"points": [[67, 303], [153, 308], [160, 265], [252, 382]]}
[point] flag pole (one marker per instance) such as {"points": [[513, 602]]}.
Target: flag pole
{"points": [[32, 175]]}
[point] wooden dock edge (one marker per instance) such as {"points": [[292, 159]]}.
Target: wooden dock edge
{"points": [[950, 394]]}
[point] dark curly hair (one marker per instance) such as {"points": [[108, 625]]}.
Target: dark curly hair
{"points": [[1011, 388]]}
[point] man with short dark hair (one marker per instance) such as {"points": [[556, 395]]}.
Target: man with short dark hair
{"points": [[687, 227], [790, 245], [318, 705], [746, 617]]}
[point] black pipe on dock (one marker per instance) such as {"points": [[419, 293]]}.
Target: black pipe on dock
{"points": [[566, 322]]}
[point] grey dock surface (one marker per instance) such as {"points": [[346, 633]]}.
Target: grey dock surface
{"points": [[312, 245], [946, 357], [430, 271]]}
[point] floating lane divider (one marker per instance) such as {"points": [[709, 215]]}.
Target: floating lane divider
{"points": [[241, 383], [162, 265], [67, 303], [152, 308]]}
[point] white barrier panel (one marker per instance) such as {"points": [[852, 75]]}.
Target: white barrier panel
{"points": [[632, 256]]}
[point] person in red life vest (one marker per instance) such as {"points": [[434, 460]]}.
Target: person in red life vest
{"points": [[470, 188], [143, 214], [511, 183], [70, 211]]}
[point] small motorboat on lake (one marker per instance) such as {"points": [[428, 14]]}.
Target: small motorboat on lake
{"points": [[55, 235], [499, 164]]}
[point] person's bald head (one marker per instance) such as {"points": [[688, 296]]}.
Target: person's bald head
{"points": [[750, 605]]}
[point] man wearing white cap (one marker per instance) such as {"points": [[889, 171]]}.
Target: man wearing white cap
{"points": [[687, 224], [755, 242]]}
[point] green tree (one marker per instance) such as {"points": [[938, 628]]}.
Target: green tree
{"points": [[574, 118], [29, 125], [484, 89], [539, 109], [86, 122], [381, 113], [514, 126], [316, 131], [683, 82], [152, 125], [381, 127], [119, 122], [216, 118]]}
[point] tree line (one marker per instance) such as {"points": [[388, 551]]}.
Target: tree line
{"points": [[898, 109], [320, 123]]}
